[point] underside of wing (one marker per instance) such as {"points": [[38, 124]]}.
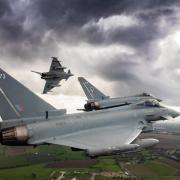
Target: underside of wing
{"points": [[50, 84], [56, 65], [103, 137]]}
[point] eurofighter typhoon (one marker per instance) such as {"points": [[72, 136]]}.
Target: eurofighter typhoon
{"points": [[54, 76], [29, 120], [97, 100]]}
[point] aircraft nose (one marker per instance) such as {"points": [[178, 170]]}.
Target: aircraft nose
{"points": [[160, 100], [174, 113]]}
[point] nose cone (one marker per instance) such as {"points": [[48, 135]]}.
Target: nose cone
{"points": [[173, 113], [159, 100]]}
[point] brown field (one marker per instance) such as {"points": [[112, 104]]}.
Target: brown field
{"points": [[167, 141], [15, 151], [140, 170], [172, 163]]}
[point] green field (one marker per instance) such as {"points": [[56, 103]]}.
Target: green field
{"points": [[41, 154], [153, 170], [35, 163], [29, 172], [32, 163], [159, 168], [109, 164]]}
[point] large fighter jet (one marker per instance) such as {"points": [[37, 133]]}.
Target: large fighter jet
{"points": [[29, 120], [54, 76], [97, 100]]}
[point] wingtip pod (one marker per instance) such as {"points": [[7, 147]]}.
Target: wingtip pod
{"points": [[111, 150], [146, 143]]}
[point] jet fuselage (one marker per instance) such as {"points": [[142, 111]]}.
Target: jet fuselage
{"points": [[42, 128], [54, 75], [116, 102]]}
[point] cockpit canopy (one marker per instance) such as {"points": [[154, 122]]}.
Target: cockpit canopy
{"points": [[150, 103], [151, 96], [145, 94]]}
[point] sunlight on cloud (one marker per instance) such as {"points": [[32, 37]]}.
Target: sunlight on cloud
{"points": [[90, 52], [113, 22], [169, 47], [176, 37], [177, 71], [71, 103]]}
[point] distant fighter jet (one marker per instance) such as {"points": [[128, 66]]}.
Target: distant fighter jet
{"points": [[97, 100], [29, 120], [54, 76]]}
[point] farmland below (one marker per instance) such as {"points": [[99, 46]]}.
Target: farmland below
{"points": [[58, 162]]}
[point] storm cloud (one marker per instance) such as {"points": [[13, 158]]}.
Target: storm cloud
{"points": [[124, 47]]}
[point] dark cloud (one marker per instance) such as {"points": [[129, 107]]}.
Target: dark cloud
{"points": [[33, 30], [65, 19], [10, 27], [4, 8], [78, 12]]}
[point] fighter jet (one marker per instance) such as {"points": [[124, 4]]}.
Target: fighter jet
{"points": [[54, 76], [97, 100], [29, 120]]}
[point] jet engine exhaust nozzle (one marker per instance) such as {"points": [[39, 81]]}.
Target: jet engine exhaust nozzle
{"points": [[15, 135]]}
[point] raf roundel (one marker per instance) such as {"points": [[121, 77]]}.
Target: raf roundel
{"points": [[2, 76]]}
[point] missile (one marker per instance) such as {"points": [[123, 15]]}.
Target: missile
{"points": [[111, 150], [145, 143]]}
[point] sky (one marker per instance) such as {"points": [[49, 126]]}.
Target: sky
{"points": [[123, 47]]}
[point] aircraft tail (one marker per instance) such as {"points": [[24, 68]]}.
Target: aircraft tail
{"points": [[91, 91], [17, 100]]}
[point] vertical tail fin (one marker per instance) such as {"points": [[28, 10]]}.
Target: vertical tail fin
{"points": [[18, 101], [91, 91]]}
